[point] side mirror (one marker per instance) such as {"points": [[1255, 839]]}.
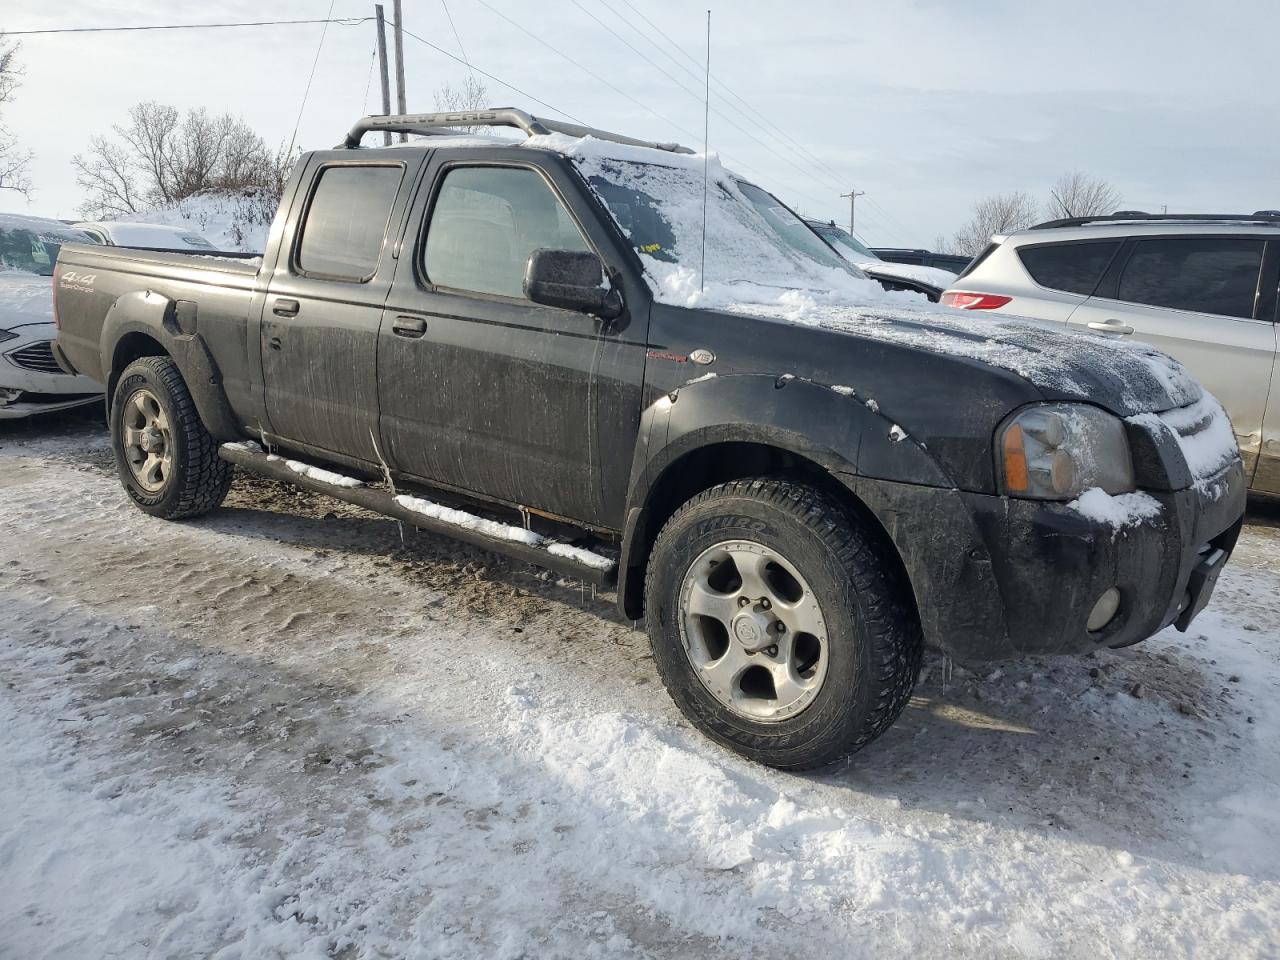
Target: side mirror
{"points": [[572, 280]]}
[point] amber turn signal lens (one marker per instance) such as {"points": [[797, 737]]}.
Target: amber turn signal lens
{"points": [[1016, 479]]}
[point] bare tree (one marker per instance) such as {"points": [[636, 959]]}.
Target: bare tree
{"points": [[471, 95], [1077, 194], [159, 156], [1000, 213], [13, 159]]}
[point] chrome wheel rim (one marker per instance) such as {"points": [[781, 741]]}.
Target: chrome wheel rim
{"points": [[753, 630], [148, 444]]}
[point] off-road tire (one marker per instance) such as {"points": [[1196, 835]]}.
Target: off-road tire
{"points": [[874, 641], [199, 479]]}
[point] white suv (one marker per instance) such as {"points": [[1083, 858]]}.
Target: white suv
{"points": [[1201, 288]]}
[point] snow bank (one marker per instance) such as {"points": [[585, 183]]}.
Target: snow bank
{"points": [[1118, 510], [230, 219]]}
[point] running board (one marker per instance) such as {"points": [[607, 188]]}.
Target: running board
{"points": [[511, 541]]}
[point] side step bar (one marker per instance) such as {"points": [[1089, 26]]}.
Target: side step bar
{"points": [[568, 561]]}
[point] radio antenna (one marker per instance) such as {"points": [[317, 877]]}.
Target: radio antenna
{"points": [[706, 127]]}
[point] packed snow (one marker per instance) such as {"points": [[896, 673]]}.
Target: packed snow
{"points": [[1116, 510], [468, 521], [584, 556], [275, 732], [322, 475]]}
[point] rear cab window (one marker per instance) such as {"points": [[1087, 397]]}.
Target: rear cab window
{"points": [[1074, 267], [346, 221], [1217, 275]]}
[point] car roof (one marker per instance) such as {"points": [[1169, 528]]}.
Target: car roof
{"points": [[1162, 227]]}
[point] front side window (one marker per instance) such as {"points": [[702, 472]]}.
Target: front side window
{"points": [[346, 221], [1072, 267], [1202, 274], [485, 223]]}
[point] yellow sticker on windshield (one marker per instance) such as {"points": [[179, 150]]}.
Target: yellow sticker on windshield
{"points": [[651, 248]]}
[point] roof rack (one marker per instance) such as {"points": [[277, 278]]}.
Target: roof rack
{"points": [[1129, 216], [429, 124]]}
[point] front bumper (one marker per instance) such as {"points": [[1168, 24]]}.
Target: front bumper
{"points": [[995, 577], [29, 364]]}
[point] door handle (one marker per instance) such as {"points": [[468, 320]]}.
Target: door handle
{"points": [[285, 308], [1110, 326], [411, 327]]}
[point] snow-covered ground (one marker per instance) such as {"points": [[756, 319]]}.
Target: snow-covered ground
{"points": [[278, 731]]}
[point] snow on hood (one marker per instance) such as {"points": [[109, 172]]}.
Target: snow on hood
{"points": [[24, 298], [755, 266], [1126, 377]]}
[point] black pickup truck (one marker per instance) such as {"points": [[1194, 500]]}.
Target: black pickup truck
{"points": [[620, 361]]}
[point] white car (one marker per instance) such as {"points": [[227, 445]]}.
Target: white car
{"points": [[154, 236], [930, 281], [30, 379]]}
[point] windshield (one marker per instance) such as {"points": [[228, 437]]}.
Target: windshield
{"points": [[846, 244], [34, 248], [752, 239]]}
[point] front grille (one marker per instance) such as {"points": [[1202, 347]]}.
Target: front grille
{"points": [[36, 356]]}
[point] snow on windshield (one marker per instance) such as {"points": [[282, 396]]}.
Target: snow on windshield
{"points": [[753, 247]]}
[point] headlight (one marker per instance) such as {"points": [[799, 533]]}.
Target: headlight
{"points": [[1056, 451], [7, 335]]}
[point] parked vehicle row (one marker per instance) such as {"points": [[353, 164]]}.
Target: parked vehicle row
{"points": [[570, 350], [1201, 288], [31, 382], [918, 278]]}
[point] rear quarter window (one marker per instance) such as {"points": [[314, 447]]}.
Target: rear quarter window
{"points": [[1070, 267], [346, 221]]}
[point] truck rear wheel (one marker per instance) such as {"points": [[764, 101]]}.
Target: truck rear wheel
{"points": [[781, 626], [166, 459]]}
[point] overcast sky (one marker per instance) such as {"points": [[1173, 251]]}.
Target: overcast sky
{"points": [[927, 105]]}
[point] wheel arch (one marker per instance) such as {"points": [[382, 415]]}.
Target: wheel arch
{"points": [[717, 455], [148, 324]]}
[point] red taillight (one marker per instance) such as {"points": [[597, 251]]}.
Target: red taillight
{"points": [[973, 301]]}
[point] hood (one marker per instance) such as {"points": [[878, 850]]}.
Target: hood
{"points": [[25, 298], [1124, 377]]}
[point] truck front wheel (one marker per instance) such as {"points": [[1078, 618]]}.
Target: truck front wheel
{"points": [[780, 624], [166, 459]]}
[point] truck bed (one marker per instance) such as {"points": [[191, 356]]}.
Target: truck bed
{"points": [[89, 280]]}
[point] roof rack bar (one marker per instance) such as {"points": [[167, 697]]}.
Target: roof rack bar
{"points": [[1160, 217], [427, 124]]}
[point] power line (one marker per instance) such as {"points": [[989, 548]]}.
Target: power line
{"points": [[461, 49], [495, 79], [595, 76], [306, 92], [345, 21]]}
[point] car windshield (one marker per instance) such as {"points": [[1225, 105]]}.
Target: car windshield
{"points": [[32, 247], [752, 239], [846, 244]]}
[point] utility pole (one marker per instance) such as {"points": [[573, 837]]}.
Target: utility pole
{"points": [[853, 196], [399, 36], [382, 67]]}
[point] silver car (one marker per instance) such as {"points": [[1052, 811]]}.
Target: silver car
{"points": [[1201, 288]]}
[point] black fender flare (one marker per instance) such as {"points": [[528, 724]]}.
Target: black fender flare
{"points": [[836, 430], [173, 325]]}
